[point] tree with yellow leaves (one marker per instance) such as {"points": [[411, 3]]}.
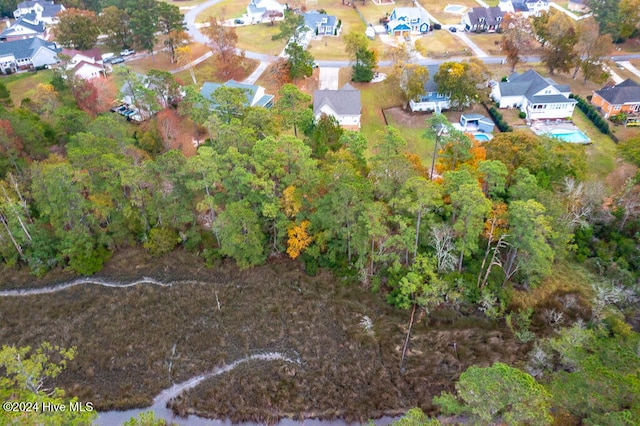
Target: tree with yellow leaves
{"points": [[298, 239]]}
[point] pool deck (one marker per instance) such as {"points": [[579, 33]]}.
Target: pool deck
{"points": [[547, 127]]}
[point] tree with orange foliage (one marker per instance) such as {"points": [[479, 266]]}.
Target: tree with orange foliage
{"points": [[168, 123], [298, 239], [223, 40]]}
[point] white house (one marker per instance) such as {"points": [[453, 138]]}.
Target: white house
{"points": [[344, 105], [27, 54], [525, 8], [26, 26], [85, 64], [408, 20], [538, 97], [264, 10], [431, 99], [45, 10]]}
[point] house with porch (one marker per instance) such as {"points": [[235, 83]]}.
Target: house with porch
{"points": [[408, 20], [318, 24], [264, 10], [538, 97], [26, 26], [256, 96], [622, 98], [344, 105], [45, 10], [525, 8], [431, 99], [27, 54], [86, 64], [483, 19]]}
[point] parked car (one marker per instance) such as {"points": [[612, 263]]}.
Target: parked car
{"points": [[453, 29], [117, 60], [127, 52], [437, 26], [119, 108], [238, 22]]}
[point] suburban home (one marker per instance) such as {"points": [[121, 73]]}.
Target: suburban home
{"points": [[26, 26], [85, 64], [344, 105], [26, 54], [476, 123], [318, 24], [483, 19], [622, 98], [538, 97], [264, 10], [525, 8], [45, 10], [256, 95], [579, 6], [408, 20], [431, 99]]}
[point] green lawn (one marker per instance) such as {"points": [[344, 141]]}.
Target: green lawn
{"points": [[247, 36], [24, 85], [601, 154], [226, 9]]}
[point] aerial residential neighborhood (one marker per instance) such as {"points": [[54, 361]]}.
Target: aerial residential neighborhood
{"points": [[328, 212]]}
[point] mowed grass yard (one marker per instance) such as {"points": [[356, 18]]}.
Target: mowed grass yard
{"points": [[436, 8], [25, 84], [441, 44], [227, 9]]}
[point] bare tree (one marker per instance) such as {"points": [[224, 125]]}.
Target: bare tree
{"points": [[442, 241]]}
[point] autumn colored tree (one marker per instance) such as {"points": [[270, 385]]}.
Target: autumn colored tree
{"points": [[300, 61], [462, 80], [114, 22], [591, 48], [299, 239], [558, 32], [171, 24], [86, 95], [77, 29], [407, 81], [223, 42], [168, 125], [517, 36], [363, 58]]}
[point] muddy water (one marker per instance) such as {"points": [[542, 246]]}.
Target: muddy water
{"points": [[159, 406]]}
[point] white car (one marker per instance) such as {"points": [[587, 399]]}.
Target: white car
{"points": [[127, 52]]}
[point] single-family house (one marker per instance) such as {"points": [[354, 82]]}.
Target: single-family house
{"points": [[344, 105], [525, 8], [579, 6], [318, 24], [431, 99], [26, 26], [538, 97], [408, 20], [264, 10], [27, 54], [45, 10], [85, 64], [256, 95], [483, 19], [476, 123], [622, 98]]}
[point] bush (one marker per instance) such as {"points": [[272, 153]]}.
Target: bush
{"points": [[522, 114], [497, 117]]}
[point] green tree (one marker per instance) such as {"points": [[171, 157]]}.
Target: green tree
{"points": [[114, 22], [241, 236], [470, 207], [228, 103], [364, 59], [171, 24], [498, 393], [144, 24], [300, 61], [77, 29], [292, 107], [560, 38], [607, 13], [415, 417], [290, 27], [5, 96], [27, 375], [494, 180], [407, 80]]}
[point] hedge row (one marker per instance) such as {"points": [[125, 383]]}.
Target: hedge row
{"points": [[497, 117], [592, 114]]}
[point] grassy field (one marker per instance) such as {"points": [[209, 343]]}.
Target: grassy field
{"points": [[24, 85], [601, 154], [442, 44], [248, 34], [487, 42], [133, 342], [226, 9]]}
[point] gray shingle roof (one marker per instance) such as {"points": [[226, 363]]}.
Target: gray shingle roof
{"points": [[626, 92], [490, 15], [345, 101], [26, 48], [313, 19], [529, 83]]}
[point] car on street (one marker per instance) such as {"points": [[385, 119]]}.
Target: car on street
{"points": [[453, 29], [238, 22], [117, 60], [127, 52]]}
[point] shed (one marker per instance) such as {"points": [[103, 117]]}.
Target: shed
{"points": [[477, 122]]}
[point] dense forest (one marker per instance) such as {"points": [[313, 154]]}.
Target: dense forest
{"points": [[485, 221]]}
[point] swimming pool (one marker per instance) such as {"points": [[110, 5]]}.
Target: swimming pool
{"points": [[455, 8], [572, 136], [481, 137]]}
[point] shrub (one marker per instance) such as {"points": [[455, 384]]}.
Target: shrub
{"points": [[497, 117], [522, 114], [592, 114]]}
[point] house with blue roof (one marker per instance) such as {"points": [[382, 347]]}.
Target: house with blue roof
{"points": [[256, 96], [318, 24], [408, 20], [45, 10], [27, 54], [431, 99], [26, 26]]}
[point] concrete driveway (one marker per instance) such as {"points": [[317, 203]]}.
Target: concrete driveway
{"points": [[462, 36], [329, 78]]}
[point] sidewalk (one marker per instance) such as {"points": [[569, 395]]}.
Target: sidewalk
{"points": [[629, 67]]}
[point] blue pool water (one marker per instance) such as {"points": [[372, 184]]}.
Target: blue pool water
{"points": [[454, 8], [481, 137], [572, 136]]}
